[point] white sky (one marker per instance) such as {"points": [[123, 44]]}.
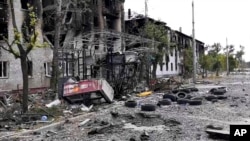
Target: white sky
{"points": [[215, 20]]}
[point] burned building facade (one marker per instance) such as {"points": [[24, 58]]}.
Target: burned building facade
{"points": [[86, 26], [86, 36]]}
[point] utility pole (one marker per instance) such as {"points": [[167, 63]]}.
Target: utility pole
{"points": [[194, 46], [227, 58], [146, 8]]}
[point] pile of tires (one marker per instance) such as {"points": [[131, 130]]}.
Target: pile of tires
{"points": [[218, 91], [183, 97], [217, 94]]}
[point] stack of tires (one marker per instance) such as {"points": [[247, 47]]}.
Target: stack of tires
{"points": [[217, 94], [183, 97]]}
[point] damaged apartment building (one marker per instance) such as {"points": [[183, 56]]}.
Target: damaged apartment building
{"points": [[90, 29], [10, 68], [93, 43], [173, 62]]}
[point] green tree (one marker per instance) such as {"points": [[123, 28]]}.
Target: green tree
{"points": [[232, 62], [25, 41], [214, 52], [205, 63], [158, 33], [188, 62], [239, 55]]}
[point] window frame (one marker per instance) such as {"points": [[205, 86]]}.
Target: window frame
{"points": [[62, 68], [7, 70], [48, 69]]}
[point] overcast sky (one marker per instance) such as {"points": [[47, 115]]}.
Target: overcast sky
{"points": [[215, 20]]}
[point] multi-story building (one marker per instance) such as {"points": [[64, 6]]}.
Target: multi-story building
{"points": [[173, 62], [10, 68], [83, 38]]}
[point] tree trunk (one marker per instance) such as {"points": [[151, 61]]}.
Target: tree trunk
{"points": [[217, 72], [154, 70], [100, 15], [55, 71], [24, 67]]}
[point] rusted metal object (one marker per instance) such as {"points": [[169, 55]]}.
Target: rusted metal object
{"points": [[82, 90]]}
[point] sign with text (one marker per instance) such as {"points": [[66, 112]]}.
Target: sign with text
{"points": [[239, 132]]}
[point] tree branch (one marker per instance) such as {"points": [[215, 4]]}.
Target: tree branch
{"points": [[10, 50], [32, 41]]}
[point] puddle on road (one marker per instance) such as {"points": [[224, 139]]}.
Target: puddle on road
{"points": [[144, 128]]}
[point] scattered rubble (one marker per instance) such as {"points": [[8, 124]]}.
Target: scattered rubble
{"points": [[163, 115]]}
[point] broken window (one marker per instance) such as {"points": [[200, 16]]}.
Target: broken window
{"points": [[95, 2], [161, 66], [171, 53], [3, 31], [66, 68], [24, 4], [107, 3], [95, 22], [166, 66], [49, 20], [30, 68], [4, 69], [172, 67], [68, 18], [3, 1], [96, 47], [109, 23], [48, 69]]}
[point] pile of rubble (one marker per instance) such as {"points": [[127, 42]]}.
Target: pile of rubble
{"points": [[179, 113]]}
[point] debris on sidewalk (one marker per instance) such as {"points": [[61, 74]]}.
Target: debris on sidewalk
{"points": [[53, 103], [218, 134], [83, 122], [143, 94]]}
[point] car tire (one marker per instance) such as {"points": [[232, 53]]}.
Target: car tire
{"points": [[214, 100], [170, 96], [197, 98], [182, 101], [185, 90], [131, 104], [195, 102], [148, 107], [181, 95], [219, 92], [194, 89], [212, 90], [221, 97], [189, 96], [165, 102], [210, 97]]}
